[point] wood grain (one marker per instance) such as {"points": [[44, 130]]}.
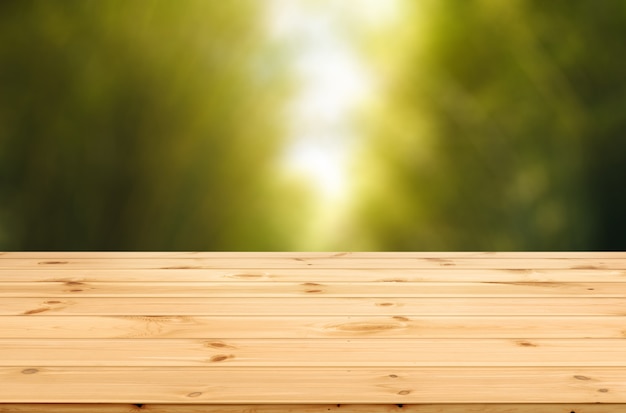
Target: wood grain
{"points": [[311, 353], [313, 408], [303, 275], [315, 263], [297, 306], [287, 327], [514, 332], [332, 289], [296, 385]]}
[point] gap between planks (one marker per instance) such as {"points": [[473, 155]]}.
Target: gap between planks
{"points": [[314, 408]]}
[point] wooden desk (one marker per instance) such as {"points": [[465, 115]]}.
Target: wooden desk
{"points": [[312, 332]]}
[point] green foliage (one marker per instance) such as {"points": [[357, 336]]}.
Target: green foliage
{"points": [[501, 130], [160, 125], [129, 124]]}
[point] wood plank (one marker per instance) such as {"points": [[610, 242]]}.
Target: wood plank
{"points": [[146, 327], [309, 275], [315, 263], [334, 289], [315, 353], [306, 254], [349, 306], [314, 408], [314, 385], [167, 328]]}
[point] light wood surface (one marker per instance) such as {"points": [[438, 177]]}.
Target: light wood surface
{"points": [[374, 262], [311, 327], [332, 289], [321, 275], [313, 408], [514, 332], [312, 353], [314, 384], [351, 306]]}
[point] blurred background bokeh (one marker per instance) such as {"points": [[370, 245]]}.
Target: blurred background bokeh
{"points": [[312, 125]]}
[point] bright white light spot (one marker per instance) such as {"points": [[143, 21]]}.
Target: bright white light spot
{"points": [[333, 81], [323, 167], [375, 12]]}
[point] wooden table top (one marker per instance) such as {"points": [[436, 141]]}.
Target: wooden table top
{"points": [[316, 329]]}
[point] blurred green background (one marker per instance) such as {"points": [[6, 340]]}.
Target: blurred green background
{"points": [[312, 125]]}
